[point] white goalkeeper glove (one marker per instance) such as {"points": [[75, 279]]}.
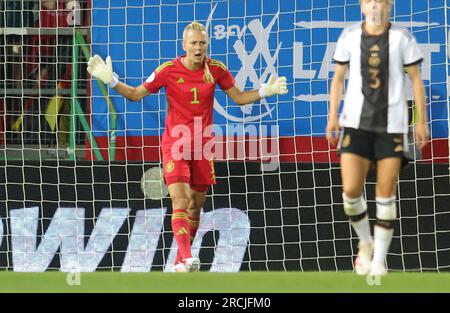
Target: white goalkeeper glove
{"points": [[275, 86], [103, 71]]}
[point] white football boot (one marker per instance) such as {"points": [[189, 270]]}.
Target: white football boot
{"points": [[364, 259], [179, 268], [187, 265], [378, 269]]}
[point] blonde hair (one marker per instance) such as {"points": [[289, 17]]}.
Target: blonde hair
{"points": [[196, 26], [391, 2]]}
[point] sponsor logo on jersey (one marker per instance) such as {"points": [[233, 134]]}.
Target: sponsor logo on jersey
{"points": [[374, 59]]}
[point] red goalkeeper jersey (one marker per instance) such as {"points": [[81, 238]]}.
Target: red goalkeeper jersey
{"points": [[190, 100]]}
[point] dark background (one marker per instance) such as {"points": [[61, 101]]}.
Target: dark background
{"points": [[296, 214]]}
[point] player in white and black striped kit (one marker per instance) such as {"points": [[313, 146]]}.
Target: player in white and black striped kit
{"points": [[374, 122]]}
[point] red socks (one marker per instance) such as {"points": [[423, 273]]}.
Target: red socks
{"points": [[181, 232], [193, 227]]}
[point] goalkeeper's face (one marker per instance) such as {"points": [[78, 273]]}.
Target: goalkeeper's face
{"points": [[195, 44]]}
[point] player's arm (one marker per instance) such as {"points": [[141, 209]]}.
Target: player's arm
{"points": [[131, 93], [242, 97], [336, 90], [104, 72], [422, 132], [275, 86]]}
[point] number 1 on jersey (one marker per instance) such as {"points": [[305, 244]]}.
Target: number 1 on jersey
{"points": [[195, 101]]}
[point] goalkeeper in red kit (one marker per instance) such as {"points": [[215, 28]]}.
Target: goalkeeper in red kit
{"points": [[190, 81]]}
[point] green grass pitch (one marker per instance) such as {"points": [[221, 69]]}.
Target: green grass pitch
{"points": [[242, 282]]}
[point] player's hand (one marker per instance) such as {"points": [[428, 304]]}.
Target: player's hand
{"points": [[99, 69], [422, 135], [332, 130], [275, 86]]}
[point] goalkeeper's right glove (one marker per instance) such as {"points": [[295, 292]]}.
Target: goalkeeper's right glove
{"points": [[103, 71], [274, 86]]}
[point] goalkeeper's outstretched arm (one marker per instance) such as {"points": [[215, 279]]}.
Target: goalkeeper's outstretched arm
{"points": [[103, 71], [275, 86]]}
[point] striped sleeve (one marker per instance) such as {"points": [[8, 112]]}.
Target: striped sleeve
{"points": [[342, 53], [223, 77], [411, 53]]}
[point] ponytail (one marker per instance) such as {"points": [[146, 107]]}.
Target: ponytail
{"points": [[207, 76]]}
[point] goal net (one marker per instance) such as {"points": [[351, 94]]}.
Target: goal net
{"points": [[81, 164]]}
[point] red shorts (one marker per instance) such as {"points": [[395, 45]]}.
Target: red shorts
{"points": [[199, 174]]}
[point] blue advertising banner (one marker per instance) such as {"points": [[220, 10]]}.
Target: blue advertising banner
{"points": [[254, 38]]}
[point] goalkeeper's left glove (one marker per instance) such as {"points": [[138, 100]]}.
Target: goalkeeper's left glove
{"points": [[103, 71], [275, 86]]}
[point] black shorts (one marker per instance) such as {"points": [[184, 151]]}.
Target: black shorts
{"points": [[373, 146]]}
